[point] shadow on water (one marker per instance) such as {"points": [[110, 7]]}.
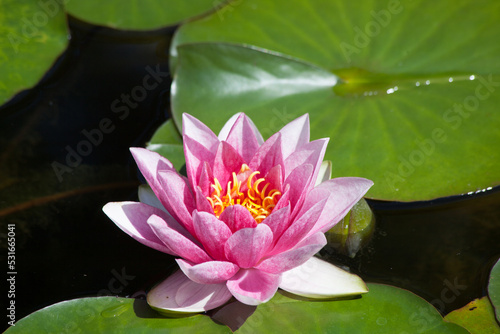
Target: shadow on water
{"points": [[65, 154]]}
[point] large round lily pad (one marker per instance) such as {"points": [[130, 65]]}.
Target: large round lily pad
{"points": [[109, 315], [33, 34], [408, 92], [139, 15], [384, 309]]}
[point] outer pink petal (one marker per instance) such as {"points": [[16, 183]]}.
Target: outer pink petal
{"points": [[278, 221], [198, 131], [299, 228], [268, 155], [227, 161], [243, 137], [183, 244], [252, 286], [237, 217], [149, 164], [247, 246], [178, 198], [290, 259], [178, 295], [294, 135], [310, 153], [212, 233], [210, 272], [132, 218], [342, 194]]}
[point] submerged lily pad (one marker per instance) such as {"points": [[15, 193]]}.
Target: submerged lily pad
{"points": [[34, 34], [384, 309], [354, 231], [109, 315], [477, 317], [494, 289], [139, 15], [407, 91]]}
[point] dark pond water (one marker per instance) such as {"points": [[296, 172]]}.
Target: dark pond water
{"points": [[67, 248]]}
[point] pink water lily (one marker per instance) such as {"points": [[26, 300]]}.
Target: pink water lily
{"points": [[246, 221]]}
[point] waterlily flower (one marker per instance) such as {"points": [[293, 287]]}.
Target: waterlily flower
{"points": [[246, 221]]}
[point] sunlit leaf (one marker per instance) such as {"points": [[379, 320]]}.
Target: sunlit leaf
{"points": [[412, 101]]}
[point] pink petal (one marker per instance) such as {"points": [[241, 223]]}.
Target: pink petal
{"points": [[252, 286], [199, 132], [342, 194], [268, 155], [178, 199], [299, 179], [182, 243], [205, 181], [278, 221], [131, 218], [202, 203], [284, 200], [212, 233], [319, 279], [243, 137], [310, 153], [210, 272], [149, 164], [237, 217], [294, 135], [178, 295], [285, 261], [227, 161], [224, 132], [247, 246], [196, 156], [299, 228], [275, 178]]}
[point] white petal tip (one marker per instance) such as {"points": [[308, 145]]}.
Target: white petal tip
{"points": [[178, 296], [318, 279]]}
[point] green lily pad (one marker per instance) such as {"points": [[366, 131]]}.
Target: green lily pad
{"points": [[34, 34], [409, 142], [167, 141], [384, 309], [407, 91], [494, 289], [109, 315], [477, 317], [139, 15]]}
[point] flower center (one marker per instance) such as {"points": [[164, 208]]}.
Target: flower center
{"points": [[253, 195]]}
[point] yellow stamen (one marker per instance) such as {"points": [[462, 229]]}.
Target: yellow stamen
{"points": [[260, 203]]}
